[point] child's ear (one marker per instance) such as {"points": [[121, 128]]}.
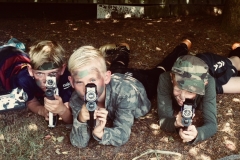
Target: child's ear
{"points": [[107, 77], [30, 70], [71, 81]]}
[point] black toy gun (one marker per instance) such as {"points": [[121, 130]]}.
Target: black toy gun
{"points": [[16, 99], [51, 89], [91, 102], [188, 110]]}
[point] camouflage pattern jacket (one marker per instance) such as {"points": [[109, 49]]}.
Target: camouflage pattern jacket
{"points": [[207, 103], [126, 99]]}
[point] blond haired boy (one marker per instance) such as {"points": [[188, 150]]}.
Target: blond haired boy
{"points": [[121, 98], [29, 71]]}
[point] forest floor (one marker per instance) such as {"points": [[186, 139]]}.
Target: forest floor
{"points": [[24, 135]]}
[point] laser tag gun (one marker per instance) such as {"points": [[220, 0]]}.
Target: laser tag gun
{"points": [[51, 89], [91, 102], [188, 110], [16, 99]]}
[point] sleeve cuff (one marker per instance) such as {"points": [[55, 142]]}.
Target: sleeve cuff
{"points": [[77, 123], [96, 138]]}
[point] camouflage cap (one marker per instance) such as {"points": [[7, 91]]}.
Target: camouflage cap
{"points": [[48, 66], [191, 73]]}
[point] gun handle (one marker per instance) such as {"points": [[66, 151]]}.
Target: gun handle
{"points": [[184, 128], [92, 121], [52, 120]]}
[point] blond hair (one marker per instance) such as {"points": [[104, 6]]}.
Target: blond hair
{"points": [[47, 51], [84, 56]]}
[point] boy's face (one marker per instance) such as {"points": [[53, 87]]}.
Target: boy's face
{"points": [[81, 77], [40, 76], [180, 95]]}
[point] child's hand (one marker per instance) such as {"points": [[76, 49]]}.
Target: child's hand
{"points": [[84, 114], [178, 122], [43, 112], [101, 114], [189, 134], [55, 106]]}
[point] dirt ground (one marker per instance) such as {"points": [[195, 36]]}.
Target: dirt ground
{"points": [[150, 40]]}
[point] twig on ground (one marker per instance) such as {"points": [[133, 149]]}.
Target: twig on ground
{"points": [[157, 152], [231, 157]]}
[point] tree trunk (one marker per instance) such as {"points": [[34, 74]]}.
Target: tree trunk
{"points": [[231, 16]]}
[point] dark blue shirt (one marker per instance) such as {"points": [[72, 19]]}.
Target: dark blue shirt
{"points": [[25, 81]]}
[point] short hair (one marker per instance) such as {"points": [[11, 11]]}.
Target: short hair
{"points": [[47, 51], [84, 56]]}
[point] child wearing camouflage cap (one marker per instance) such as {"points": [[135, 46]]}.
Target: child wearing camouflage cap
{"points": [[188, 79], [29, 71]]}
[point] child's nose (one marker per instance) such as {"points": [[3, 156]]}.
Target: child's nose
{"points": [[182, 96]]}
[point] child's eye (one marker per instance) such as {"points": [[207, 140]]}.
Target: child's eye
{"points": [[39, 74], [53, 73], [190, 92], [78, 82], [92, 80]]}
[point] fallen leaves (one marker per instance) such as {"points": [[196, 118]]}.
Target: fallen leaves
{"points": [[55, 139], [1, 137], [236, 100], [59, 152], [47, 136], [60, 139], [164, 139], [143, 39], [155, 126], [229, 144], [33, 127]]}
